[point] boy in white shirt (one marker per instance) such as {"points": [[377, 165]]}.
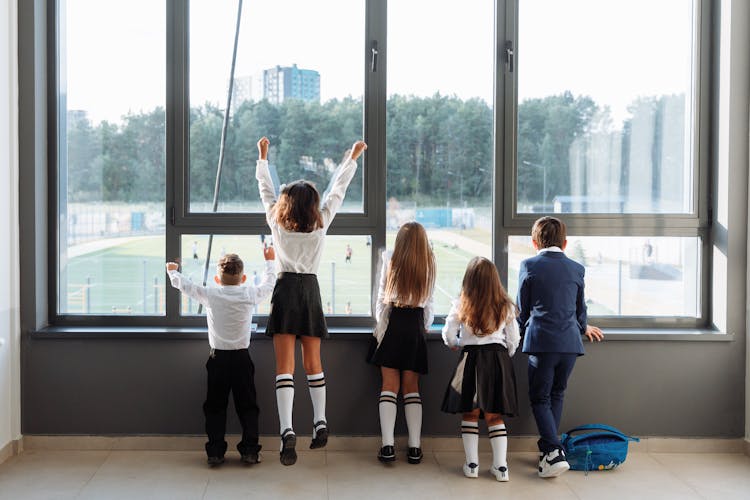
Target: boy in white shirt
{"points": [[229, 314]]}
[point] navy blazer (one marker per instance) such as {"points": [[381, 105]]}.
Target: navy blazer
{"points": [[552, 308]]}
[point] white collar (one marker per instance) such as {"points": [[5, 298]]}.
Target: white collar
{"points": [[549, 249]]}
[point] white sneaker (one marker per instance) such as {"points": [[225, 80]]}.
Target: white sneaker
{"points": [[500, 473], [471, 470], [553, 464]]}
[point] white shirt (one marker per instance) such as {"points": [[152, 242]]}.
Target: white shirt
{"points": [[229, 308], [300, 252], [549, 249], [506, 335], [383, 307]]}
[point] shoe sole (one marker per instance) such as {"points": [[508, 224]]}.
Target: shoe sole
{"points": [[288, 453], [320, 439], [472, 475], [502, 479], [386, 459], [555, 470], [414, 460]]}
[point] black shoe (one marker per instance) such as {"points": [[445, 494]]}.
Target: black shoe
{"points": [[387, 454], [321, 436], [414, 455], [250, 458], [288, 455], [214, 461]]}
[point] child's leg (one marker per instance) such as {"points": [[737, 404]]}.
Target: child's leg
{"points": [[283, 345], [316, 382], [541, 378], [562, 372], [412, 407], [470, 438], [387, 403], [215, 406], [243, 391], [498, 439]]}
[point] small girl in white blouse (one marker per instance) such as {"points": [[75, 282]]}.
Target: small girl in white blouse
{"points": [[404, 311], [483, 322], [298, 222]]}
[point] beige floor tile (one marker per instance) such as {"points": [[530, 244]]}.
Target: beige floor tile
{"points": [[524, 482], [720, 476], [360, 475], [269, 479], [149, 474], [639, 477], [48, 474]]}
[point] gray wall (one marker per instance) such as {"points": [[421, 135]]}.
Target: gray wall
{"points": [[157, 386]]}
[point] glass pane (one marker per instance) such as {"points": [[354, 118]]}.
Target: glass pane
{"points": [[440, 130], [299, 80], [629, 276], [344, 281], [605, 117], [112, 157]]}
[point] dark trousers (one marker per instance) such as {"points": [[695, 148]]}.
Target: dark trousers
{"points": [[231, 370], [548, 378]]}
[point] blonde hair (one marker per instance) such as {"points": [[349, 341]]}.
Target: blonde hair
{"points": [[411, 273], [484, 304]]}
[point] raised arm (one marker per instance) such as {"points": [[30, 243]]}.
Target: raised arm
{"points": [[260, 292], [452, 324], [186, 286], [344, 175], [263, 176]]}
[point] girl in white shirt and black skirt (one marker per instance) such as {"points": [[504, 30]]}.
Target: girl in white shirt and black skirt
{"points": [[483, 323], [404, 311], [298, 223]]}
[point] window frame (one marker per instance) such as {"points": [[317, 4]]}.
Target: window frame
{"points": [[372, 220]]}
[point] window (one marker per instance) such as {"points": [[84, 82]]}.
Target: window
{"points": [[480, 118]]}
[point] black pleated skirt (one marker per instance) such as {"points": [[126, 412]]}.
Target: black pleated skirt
{"points": [[403, 346], [484, 379], [296, 307]]}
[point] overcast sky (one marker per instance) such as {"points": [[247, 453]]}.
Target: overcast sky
{"points": [[612, 50]]}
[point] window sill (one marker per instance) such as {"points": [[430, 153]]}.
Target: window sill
{"points": [[353, 333]]}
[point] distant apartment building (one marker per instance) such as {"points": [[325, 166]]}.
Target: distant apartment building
{"points": [[278, 85]]}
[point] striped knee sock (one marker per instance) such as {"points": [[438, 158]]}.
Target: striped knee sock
{"points": [[387, 408], [413, 411], [317, 386], [285, 400], [470, 437], [499, 442]]}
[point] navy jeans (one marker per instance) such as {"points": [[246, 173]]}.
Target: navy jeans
{"points": [[548, 378]]}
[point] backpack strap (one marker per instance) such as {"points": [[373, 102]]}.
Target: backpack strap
{"points": [[601, 427]]}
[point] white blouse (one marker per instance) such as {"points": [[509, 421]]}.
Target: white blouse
{"points": [[383, 309], [300, 252], [506, 335]]}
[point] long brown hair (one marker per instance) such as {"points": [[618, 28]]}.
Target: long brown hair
{"points": [[298, 208], [411, 273], [484, 303]]}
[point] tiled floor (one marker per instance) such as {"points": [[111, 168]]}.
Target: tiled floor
{"points": [[358, 475]]}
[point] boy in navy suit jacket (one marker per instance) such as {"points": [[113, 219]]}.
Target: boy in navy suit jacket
{"points": [[552, 318]]}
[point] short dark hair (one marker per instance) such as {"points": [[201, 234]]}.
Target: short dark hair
{"points": [[230, 269], [549, 232]]}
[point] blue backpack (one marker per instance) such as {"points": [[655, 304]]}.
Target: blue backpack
{"points": [[603, 449]]}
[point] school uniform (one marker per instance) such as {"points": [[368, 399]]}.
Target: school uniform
{"points": [[552, 319], [484, 377], [229, 366], [296, 304], [399, 336]]}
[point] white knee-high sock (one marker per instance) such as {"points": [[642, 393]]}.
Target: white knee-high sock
{"points": [[317, 385], [387, 408], [470, 437], [285, 400], [413, 412], [499, 442]]}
